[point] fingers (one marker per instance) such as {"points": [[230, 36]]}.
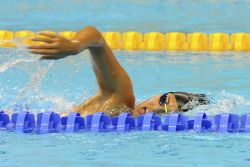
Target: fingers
{"points": [[43, 46], [49, 57], [48, 34], [48, 54], [43, 39], [50, 47], [46, 37], [44, 51]]}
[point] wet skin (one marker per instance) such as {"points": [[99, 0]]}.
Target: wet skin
{"points": [[115, 86]]}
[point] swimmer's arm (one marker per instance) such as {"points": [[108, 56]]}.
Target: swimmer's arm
{"points": [[56, 47], [111, 77]]}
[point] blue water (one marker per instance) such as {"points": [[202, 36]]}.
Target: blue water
{"points": [[58, 85]]}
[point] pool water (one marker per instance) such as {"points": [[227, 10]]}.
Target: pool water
{"points": [[38, 86], [128, 149]]}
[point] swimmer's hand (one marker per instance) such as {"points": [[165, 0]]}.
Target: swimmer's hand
{"points": [[54, 46]]}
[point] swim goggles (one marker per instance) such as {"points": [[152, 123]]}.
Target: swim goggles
{"points": [[163, 101]]}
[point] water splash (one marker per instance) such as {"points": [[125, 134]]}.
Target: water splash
{"points": [[16, 56], [33, 84], [31, 96], [4, 67], [224, 103]]}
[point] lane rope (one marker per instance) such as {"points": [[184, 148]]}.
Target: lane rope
{"points": [[149, 41], [51, 122]]}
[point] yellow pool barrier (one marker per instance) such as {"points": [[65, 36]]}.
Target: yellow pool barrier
{"points": [[6, 38], [113, 39], [219, 42], [25, 36], [240, 41], [149, 41], [154, 41], [132, 41], [197, 41], [176, 41]]}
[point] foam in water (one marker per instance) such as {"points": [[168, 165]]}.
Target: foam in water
{"points": [[32, 97], [224, 103], [13, 57], [17, 57], [12, 63]]}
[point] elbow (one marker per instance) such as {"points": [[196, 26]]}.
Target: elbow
{"points": [[97, 36]]}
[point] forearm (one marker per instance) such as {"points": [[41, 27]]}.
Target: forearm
{"points": [[110, 75]]}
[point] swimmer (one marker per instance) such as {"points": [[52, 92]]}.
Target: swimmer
{"points": [[115, 93]]}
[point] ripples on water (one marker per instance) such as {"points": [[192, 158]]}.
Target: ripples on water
{"points": [[58, 85], [27, 83], [37, 87], [134, 148]]}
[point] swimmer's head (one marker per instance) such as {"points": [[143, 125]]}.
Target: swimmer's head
{"points": [[170, 102], [159, 104]]}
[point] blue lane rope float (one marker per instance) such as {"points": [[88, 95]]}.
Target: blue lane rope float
{"points": [[98, 122], [245, 122], [149, 121], [175, 122], [200, 122], [48, 122], [73, 122], [51, 122], [4, 119], [123, 122], [22, 122], [226, 122]]}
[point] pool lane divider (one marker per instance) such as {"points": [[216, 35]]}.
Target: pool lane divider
{"points": [[48, 122], [51, 122], [73, 122], [148, 41]]}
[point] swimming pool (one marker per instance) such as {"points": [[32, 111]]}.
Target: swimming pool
{"points": [[57, 85]]}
